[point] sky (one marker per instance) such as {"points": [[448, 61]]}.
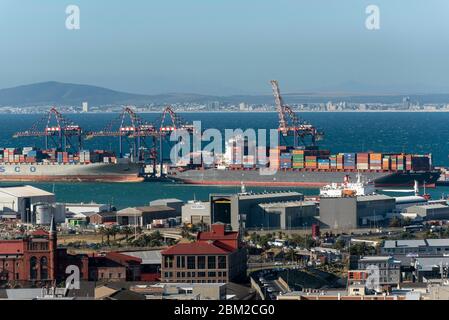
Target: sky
{"points": [[225, 47]]}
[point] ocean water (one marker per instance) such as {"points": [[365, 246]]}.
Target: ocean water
{"points": [[344, 132]]}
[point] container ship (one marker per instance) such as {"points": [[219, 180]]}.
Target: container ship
{"points": [[311, 167], [32, 164]]}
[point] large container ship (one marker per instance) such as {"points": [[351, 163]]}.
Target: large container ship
{"points": [[31, 164], [303, 167]]}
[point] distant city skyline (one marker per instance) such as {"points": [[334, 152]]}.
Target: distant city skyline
{"points": [[232, 47]]}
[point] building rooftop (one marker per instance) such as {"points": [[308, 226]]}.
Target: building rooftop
{"points": [[391, 244], [25, 191], [196, 248], [287, 204], [430, 206], [429, 263], [374, 197], [410, 199], [268, 195], [375, 258], [167, 200], [147, 256], [142, 210]]}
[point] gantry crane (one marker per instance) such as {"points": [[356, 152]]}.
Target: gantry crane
{"points": [[136, 129], [290, 124], [54, 127], [176, 125]]}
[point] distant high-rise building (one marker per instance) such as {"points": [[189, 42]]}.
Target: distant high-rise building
{"points": [[242, 106], [85, 107]]}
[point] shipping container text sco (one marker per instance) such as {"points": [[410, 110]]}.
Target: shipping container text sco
{"points": [[18, 169]]}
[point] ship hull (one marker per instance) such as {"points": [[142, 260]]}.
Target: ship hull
{"points": [[305, 179], [94, 172]]}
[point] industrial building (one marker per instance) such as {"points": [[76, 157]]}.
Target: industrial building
{"points": [[172, 203], [87, 207], [288, 215], [415, 247], [355, 212], [242, 210], [21, 198], [429, 211], [196, 212], [144, 216]]}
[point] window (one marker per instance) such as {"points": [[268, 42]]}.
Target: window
{"points": [[110, 275], [178, 274], [102, 275], [190, 262], [211, 274], [221, 262], [201, 274], [119, 275], [211, 262], [44, 268], [180, 262], [33, 268], [201, 262], [168, 263]]}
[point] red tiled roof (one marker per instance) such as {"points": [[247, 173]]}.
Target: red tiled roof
{"points": [[216, 236], [11, 247], [40, 232], [196, 248]]}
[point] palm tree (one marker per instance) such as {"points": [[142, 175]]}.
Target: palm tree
{"points": [[127, 232], [103, 232]]}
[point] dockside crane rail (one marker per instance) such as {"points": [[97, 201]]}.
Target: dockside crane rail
{"points": [[290, 123], [53, 125]]}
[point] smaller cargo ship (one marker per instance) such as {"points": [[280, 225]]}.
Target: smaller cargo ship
{"points": [[50, 165]]}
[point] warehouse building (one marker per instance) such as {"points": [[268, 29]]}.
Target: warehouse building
{"points": [[172, 203], [20, 199], [287, 215], [355, 212], [144, 216], [416, 247], [242, 210], [435, 211], [196, 212]]}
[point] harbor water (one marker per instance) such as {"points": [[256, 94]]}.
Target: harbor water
{"points": [[344, 132]]}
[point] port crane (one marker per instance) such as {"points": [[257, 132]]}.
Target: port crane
{"points": [[175, 125], [129, 126], [290, 124], [54, 127]]}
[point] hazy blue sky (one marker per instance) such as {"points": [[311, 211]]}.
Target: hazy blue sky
{"points": [[227, 46]]}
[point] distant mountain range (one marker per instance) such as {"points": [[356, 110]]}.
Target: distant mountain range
{"points": [[57, 93]]}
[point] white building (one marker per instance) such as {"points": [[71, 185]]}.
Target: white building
{"points": [[85, 107], [21, 198]]}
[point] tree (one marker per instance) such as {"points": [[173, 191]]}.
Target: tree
{"points": [[127, 231], [395, 222]]}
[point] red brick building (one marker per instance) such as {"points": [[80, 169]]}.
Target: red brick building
{"points": [[37, 258], [216, 256]]}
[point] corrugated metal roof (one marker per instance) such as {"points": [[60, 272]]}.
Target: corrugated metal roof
{"points": [[25, 191], [391, 244], [374, 197], [286, 204], [148, 256]]}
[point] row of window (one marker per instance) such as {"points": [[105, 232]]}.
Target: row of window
{"points": [[196, 262], [200, 274]]}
